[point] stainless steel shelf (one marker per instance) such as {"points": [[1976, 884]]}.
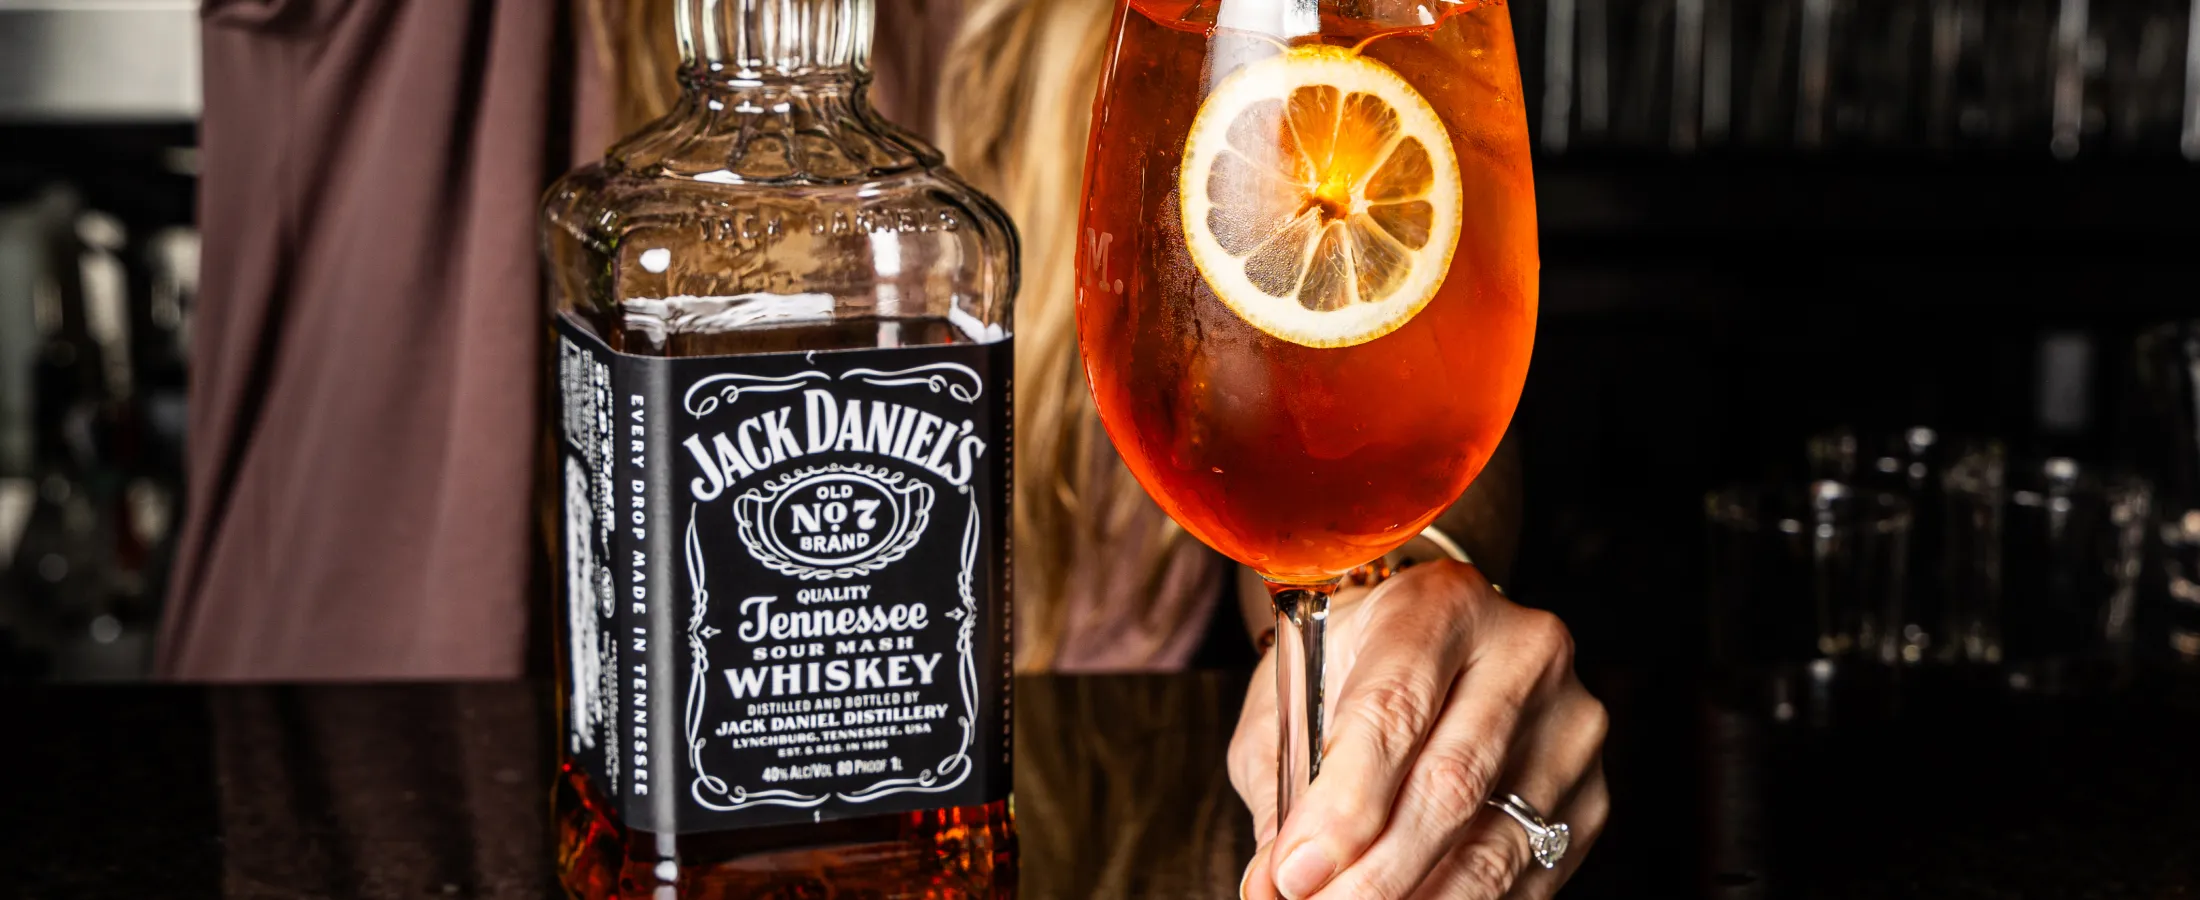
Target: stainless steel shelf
{"points": [[99, 61]]}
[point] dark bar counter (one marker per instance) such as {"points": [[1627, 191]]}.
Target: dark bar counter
{"points": [[441, 790]]}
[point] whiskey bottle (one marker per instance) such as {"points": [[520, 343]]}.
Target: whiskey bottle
{"points": [[781, 360]]}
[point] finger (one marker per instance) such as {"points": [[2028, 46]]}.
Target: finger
{"points": [[1556, 768], [1464, 758], [1585, 815], [1412, 645], [1255, 884], [1570, 744], [1253, 750], [1489, 859]]}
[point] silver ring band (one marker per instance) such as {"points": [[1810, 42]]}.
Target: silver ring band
{"points": [[1547, 840]]}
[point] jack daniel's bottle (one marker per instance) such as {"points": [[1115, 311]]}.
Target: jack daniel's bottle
{"points": [[781, 355]]}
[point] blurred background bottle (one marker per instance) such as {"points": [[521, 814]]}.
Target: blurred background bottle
{"points": [[98, 268]]}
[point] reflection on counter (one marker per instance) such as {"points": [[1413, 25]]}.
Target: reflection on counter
{"points": [[433, 790]]}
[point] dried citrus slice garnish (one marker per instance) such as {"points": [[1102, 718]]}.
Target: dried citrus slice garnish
{"points": [[1320, 196]]}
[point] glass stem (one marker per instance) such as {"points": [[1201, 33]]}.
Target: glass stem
{"points": [[1302, 614]]}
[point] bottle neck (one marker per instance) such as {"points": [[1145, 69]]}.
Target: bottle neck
{"points": [[754, 43], [774, 91]]}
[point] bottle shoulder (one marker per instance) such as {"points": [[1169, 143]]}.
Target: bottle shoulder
{"points": [[790, 133], [604, 207], [791, 143], [602, 197], [658, 256]]}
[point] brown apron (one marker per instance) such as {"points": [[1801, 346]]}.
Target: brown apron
{"points": [[364, 383]]}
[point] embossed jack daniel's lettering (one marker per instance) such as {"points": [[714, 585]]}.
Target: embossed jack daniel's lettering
{"points": [[782, 358]]}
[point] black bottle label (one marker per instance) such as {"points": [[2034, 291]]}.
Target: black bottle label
{"points": [[786, 592]]}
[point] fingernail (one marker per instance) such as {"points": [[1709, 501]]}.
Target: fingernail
{"points": [[1304, 871], [1260, 858]]}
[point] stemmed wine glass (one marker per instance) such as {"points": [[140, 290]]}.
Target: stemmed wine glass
{"points": [[1307, 283]]}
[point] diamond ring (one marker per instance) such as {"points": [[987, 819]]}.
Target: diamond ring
{"points": [[1547, 840]]}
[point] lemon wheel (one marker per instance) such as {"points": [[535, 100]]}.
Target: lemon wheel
{"points": [[1320, 196]]}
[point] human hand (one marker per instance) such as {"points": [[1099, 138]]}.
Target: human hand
{"points": [[1444, 694]]}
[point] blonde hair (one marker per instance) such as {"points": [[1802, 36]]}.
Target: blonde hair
{"points": [[1015, 100], [637, 54], [1132, 760]]}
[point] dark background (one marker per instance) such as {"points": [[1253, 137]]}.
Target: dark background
{"points": [[1896, 247], [1702, 317]]}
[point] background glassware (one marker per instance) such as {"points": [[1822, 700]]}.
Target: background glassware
{"points": [[2166, 442], [2179, 539], [1909, 462], [1971, 545], [91, 430], [2055, 554], [1802, 572]]}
